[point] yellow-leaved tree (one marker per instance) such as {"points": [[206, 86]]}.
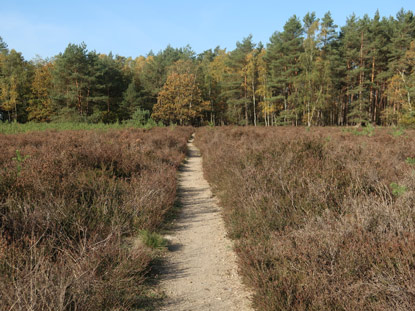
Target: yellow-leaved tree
{"points": [[40, 103], [9, 95], [180, 101], [401, 91]]}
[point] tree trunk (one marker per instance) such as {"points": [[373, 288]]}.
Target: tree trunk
{"points": [[211, 102], [246, 101], [254, 100], [285, 110], [79, 97], [361, 75], [108, 99], [372, 102]]}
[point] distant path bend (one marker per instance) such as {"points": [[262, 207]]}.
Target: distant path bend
{"points": [[201, 272]]}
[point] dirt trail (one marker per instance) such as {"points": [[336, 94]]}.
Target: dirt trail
{"points": [[201, 272]]}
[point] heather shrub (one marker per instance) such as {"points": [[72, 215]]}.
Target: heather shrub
{"points": [[317, 221], [72, 206]]}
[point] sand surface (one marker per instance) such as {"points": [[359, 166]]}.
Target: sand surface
{"points": [[200, 272]]}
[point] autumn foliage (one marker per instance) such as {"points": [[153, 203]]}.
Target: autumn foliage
{"points": [[310, 72], [72, 205], [180, 100], [323, 219], [40, 108]]}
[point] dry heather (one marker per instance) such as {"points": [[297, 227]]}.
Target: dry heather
{"points": [[322, 219], [71, 206]]}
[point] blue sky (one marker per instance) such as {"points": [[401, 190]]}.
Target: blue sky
{"points": [[133, 28]]}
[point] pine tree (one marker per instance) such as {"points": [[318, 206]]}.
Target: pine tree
{"points": [[110, 82], [72, 80], [131, 100], [354, 39], [3, 46], [329, 68], [308, 82], [283, 56], [236, 82], [251, 72], [206, 82], [403, 33]]}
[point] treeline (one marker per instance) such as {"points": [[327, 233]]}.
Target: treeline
{"points": [[310, 73]]}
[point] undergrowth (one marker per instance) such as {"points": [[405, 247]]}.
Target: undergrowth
{"points": [[322, 219], [78, 212], [15, 128]]}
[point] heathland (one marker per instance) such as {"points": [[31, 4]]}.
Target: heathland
{"points": [[322, 218], [78, 215]]}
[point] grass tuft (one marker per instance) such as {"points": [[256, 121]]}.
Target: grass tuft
{"points": [[153, 239]]}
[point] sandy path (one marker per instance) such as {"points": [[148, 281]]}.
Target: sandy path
{"points": [[201, 272]]}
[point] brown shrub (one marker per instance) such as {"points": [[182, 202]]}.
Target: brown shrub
{"points": [[71, 211], [323, 219]]}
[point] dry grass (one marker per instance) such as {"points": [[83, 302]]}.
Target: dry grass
{"points": [[323, 219], [71, 206]]}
